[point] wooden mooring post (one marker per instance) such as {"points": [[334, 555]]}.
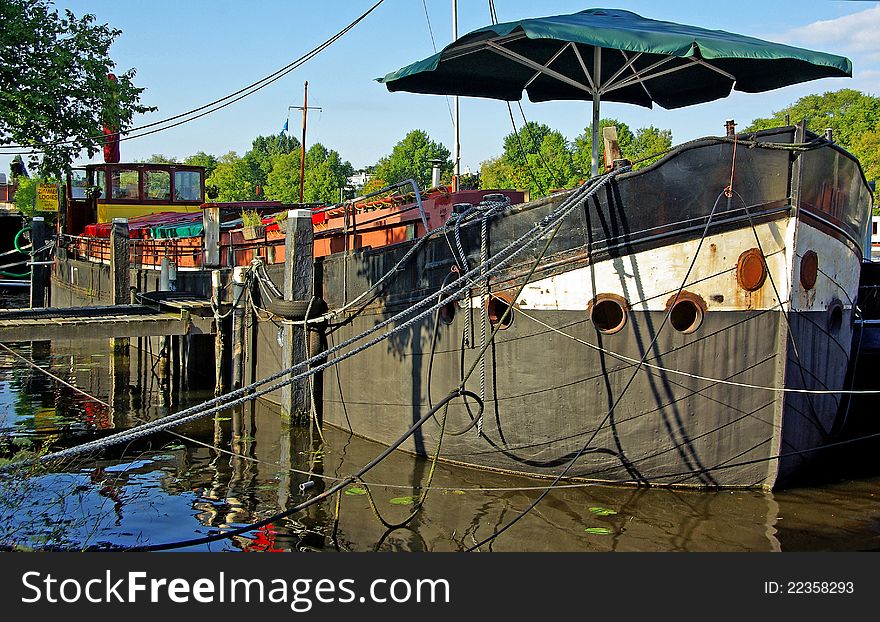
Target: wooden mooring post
{"points": [[39, 269], [211, 225], [238, 326], [219, 347], [299, 284], [120, 294]]}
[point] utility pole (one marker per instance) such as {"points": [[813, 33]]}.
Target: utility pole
{"points": [[302, 158]]}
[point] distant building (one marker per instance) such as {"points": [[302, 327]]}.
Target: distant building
{"points": [[358, 179]]}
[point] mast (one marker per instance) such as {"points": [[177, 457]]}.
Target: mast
{"points": [[456, 146], [302, 156]]}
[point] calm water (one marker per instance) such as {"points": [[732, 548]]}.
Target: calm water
{"points": [[170, 489]]}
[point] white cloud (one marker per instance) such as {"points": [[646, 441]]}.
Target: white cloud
{"points": [[857, 32]]}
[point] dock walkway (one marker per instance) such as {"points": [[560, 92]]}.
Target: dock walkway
{"points": [[180, 315]]}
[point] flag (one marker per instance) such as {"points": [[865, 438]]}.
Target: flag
{"points": [[283, 129]]}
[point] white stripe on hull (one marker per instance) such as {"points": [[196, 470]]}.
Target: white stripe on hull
{"points": [[647, 279]]}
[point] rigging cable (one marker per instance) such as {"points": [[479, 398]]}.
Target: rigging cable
{"points": [[454, 290], [620, 395]]}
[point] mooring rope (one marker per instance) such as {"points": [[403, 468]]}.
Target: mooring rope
{"points": [[453, 291], [584, 449]]}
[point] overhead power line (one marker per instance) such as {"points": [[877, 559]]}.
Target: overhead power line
{"points": [[211, 107]]}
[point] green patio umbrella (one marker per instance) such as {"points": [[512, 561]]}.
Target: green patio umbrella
{"points": [[611, 55]]}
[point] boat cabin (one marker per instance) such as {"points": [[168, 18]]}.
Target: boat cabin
{"points": [[98, 193]]}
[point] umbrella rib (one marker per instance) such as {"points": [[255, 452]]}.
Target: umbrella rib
{"points": [[639, 77], [580, 58], [627, 65], [503, 51], [644, 88], [548, 63], [469, 48], [700, 61]]}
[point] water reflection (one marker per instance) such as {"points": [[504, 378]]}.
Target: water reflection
{"points": [[242, 466]]}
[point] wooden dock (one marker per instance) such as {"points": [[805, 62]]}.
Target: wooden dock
{"points": [[171, 315]]}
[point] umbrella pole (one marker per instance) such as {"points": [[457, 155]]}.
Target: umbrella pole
{"points": [[597, 75]]}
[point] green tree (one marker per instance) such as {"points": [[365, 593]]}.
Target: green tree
{"points": [[647, 143], [206, 160], [583, 145], [283, 179], [411, 159], [499, 174], [867, 149], [848, 112], [234, 179], [325, 174], [158, 158], [55, 96], [263, 149], [536, 158]]}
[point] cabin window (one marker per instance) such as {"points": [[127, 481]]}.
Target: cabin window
{"points": [[157, 185], [874, 228], [124, 184], [101, 182], [187, 186], [78, 184]]}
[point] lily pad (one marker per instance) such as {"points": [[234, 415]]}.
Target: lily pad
{"points": [[403, 500], [603, 511], [598, 531], [356, 490]]}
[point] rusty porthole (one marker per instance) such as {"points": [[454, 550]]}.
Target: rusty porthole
{"points": [[751, 270], [608, 313], [447, 313], [686, 311], [835, 315], [498, 309], [809, 269]]}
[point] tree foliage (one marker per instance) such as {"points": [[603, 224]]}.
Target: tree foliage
{"points": [[411, 159], [55, 96], [234, 179], [325, 174], [206, 160], [583, 145], [540, 159], [263, 149], [848, 112]]}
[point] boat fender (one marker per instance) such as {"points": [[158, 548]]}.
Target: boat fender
{"points": [[295, 309]]}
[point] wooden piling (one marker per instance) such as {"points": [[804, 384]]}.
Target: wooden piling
{"points": [[120, 266], [39, 271], [211, 224], [120, 269], [238, 326], [219, 348], [299, 284]]}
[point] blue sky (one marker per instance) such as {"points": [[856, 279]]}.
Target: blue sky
{"points": [[188, 53]]}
